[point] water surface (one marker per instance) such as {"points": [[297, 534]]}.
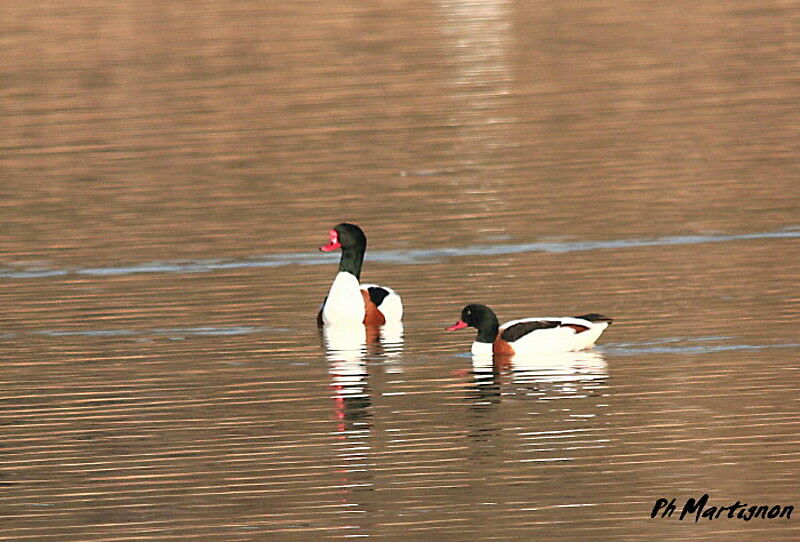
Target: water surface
{"points": [[168, 172]]}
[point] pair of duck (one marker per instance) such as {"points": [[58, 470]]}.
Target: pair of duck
{"points": [[350, 302]]}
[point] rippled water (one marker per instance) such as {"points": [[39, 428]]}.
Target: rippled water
{"points": [[169, 170]]}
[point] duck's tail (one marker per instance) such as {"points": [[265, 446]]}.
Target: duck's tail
{"points": [[594, 317]]}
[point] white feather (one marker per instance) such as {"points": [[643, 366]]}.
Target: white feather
{"points": [[482, 351], [391, 307], [344, 305], [556, 339]]}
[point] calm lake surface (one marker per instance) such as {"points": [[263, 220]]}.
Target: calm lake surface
{"points": [[168, 171]]}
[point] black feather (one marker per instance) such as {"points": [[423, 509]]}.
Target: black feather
{"points": [[517, 331], [320, 322], [377, 294], [594, 317]]}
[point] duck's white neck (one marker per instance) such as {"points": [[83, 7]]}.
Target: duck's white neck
{"points": [[482, 350], [345, 304]]}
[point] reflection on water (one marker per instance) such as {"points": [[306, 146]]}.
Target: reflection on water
{"points": [[568, 375], [567, 368], [347, 342], [485, 389], [356, 342], [348, 349], [476, 35], [562, 396]]}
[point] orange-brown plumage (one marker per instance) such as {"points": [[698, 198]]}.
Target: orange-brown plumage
{"points": [[501, 347], [373, 316]]}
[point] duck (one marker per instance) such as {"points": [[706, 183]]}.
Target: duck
{"points": [[529, 335], [348, 301]]}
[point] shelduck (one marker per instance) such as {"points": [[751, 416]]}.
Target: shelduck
{"points": [[529, 335], [348, 301]]}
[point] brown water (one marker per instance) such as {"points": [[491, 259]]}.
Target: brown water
{"points": [[168, 170]]}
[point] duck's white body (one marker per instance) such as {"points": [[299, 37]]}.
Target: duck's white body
{"points": [[348, 303], [344, 304], [563, 338]]}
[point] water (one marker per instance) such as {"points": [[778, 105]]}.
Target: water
{"points": [[168, 174]]}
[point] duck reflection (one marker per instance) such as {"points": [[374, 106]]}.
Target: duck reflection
{"points": [[542, 408], [546, 376], [389, 346], [561, 375], [484, 390], [348, 348]]}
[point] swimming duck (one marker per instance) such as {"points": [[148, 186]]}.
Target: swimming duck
{"points": [[349, 301], [529, 335]]}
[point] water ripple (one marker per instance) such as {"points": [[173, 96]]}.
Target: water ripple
{"points": [[630, 349], [202, 331], [400, 257], [696, 349]]}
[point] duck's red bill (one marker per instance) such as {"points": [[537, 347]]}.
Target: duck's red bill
{"points": [[333, 244], [461, 324], [330, 246]]}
